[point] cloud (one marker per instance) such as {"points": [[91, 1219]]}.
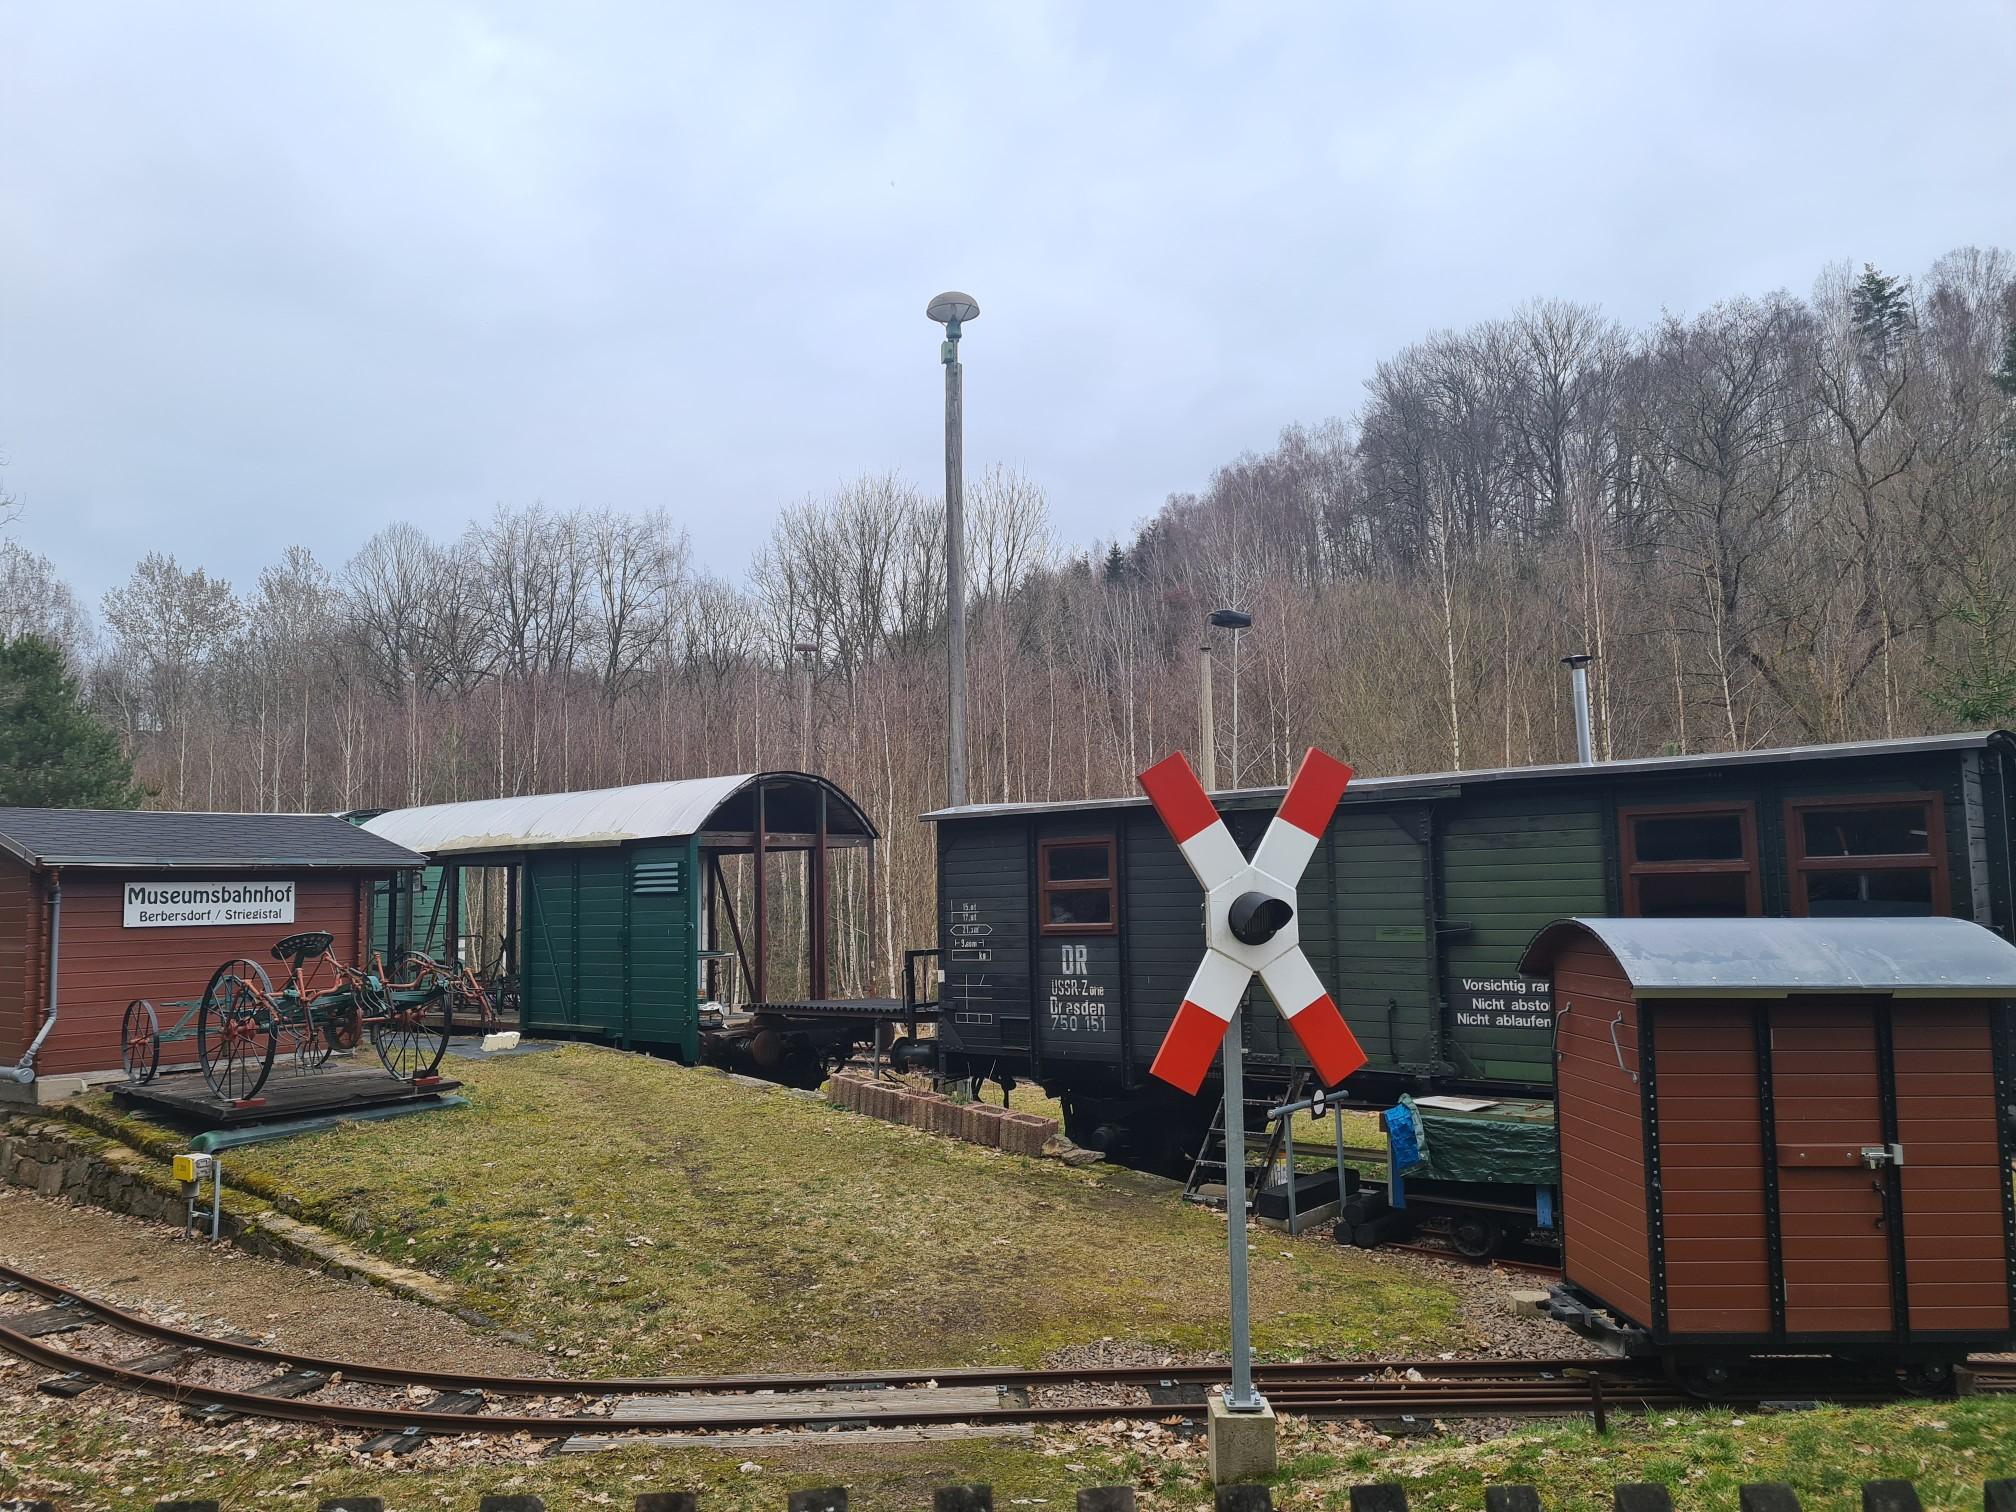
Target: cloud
{"points": [[290, 274]]}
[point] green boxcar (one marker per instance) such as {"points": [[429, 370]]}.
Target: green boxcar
{"points": [[614, 899], [1420, 899], [607, 949]]}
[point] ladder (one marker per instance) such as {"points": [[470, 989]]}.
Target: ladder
{"points": [[1208, 1169]]}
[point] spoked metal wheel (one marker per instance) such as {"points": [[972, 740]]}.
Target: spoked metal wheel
{"points": [[419, 972], [140, 1042], [412, 1036], [235, 1037]]}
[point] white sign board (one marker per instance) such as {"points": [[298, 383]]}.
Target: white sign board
{"points": [[178, 904]]}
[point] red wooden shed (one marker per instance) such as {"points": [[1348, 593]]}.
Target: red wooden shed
{"points": [[101, 906], [1785, 1135]]}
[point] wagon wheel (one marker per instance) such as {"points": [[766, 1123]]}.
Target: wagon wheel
{"points": [[1930, 1378], [140, 1042], [422, 973], [235, 1036], [1709, 1379], [409, 1038], [1477, 1236], [463, 1000]]}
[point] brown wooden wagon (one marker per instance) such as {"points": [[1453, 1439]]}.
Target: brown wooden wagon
{"points": [[1785, 1136]]}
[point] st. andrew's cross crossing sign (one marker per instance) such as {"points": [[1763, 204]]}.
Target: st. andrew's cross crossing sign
{"points": [[1249, 920]]}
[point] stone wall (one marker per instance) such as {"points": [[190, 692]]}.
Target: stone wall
{"points": [[55, 1159]]}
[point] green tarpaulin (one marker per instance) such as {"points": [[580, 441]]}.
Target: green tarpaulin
{"points": [[1512, 1140]]}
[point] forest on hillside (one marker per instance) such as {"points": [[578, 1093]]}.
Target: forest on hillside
{"points": [[1778, 520]]}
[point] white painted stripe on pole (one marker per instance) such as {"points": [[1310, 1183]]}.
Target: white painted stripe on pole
{"points": [[1218, 984], [1292, 982], [1284, 852], [1214, 855]]}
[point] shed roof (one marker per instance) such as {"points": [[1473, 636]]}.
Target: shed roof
{"points": [[603, 816], [1897, 957], [1446, 784], [171, 840]]}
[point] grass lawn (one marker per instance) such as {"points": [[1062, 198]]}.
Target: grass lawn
{"points": [[642, 1217], [1947, 1449]]}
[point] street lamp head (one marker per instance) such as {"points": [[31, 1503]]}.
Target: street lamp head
{"points": [[805, 647], [951, 308], [1231, 619]]}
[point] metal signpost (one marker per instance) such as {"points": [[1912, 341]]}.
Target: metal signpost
{"points": [[1243, 1396], [1249, 930]]}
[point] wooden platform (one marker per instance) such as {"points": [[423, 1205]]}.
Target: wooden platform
{"points": [[183, 1097]]}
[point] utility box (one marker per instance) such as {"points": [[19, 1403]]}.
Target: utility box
{"points": [[1784, 1136]]}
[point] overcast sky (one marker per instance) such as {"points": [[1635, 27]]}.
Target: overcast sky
{"points": [[276, 273]]}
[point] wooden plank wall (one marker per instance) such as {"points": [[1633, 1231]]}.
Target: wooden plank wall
{"points": [[1825, 1065], [1511, 866], [1711, 1166], [1604, 1191], [1378, 956], [664, 995], [1956, 1262], [104, 965], [1163, 908], [984, 891], [22, 952]]}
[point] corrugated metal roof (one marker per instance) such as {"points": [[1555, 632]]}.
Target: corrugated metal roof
{"points": [[155, 838], [1933, 957], [1368, 789], [600, 816]]}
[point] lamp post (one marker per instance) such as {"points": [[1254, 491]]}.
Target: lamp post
{"points": [[1207, 728], [951, 310]]}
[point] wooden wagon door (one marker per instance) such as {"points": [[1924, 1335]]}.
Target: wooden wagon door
{"points": [[1954, 1178], [1834, 1208]]}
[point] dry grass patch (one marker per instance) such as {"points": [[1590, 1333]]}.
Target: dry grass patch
{"points": [[635, 1215]]}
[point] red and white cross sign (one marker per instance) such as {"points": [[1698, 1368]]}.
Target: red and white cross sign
{"points": [[1249, 919]]}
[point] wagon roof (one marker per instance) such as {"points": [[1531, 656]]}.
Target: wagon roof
{"points": [[602, 816], [1367, 789], [171, 840], [1746, 958]]}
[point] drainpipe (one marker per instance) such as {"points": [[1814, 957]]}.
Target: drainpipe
{"points": [[1578, 671], [24, 1071]]}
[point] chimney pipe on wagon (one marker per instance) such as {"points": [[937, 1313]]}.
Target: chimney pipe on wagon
{"points": [[1578, 672]]}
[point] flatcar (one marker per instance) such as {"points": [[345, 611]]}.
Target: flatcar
{"points": [[1067, 931]]}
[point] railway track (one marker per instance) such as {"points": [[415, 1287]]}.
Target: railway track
{"points": [[1452, 1256], [311, 1390]]}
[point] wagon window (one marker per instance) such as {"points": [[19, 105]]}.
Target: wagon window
{"points": [[1076, 887], [1867, 856], [1691, 861]]}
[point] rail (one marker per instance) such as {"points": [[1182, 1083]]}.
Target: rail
{"points": [[462, 1405]]}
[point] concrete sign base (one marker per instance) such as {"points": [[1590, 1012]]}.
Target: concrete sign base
{"points": [[1241, 1444]]}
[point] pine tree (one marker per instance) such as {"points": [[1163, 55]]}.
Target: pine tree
{"points": [[53, 753], [1116, 563], [1881, 309]]}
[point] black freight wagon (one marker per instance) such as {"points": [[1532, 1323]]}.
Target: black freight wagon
{"points": [[1068, 931]]}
